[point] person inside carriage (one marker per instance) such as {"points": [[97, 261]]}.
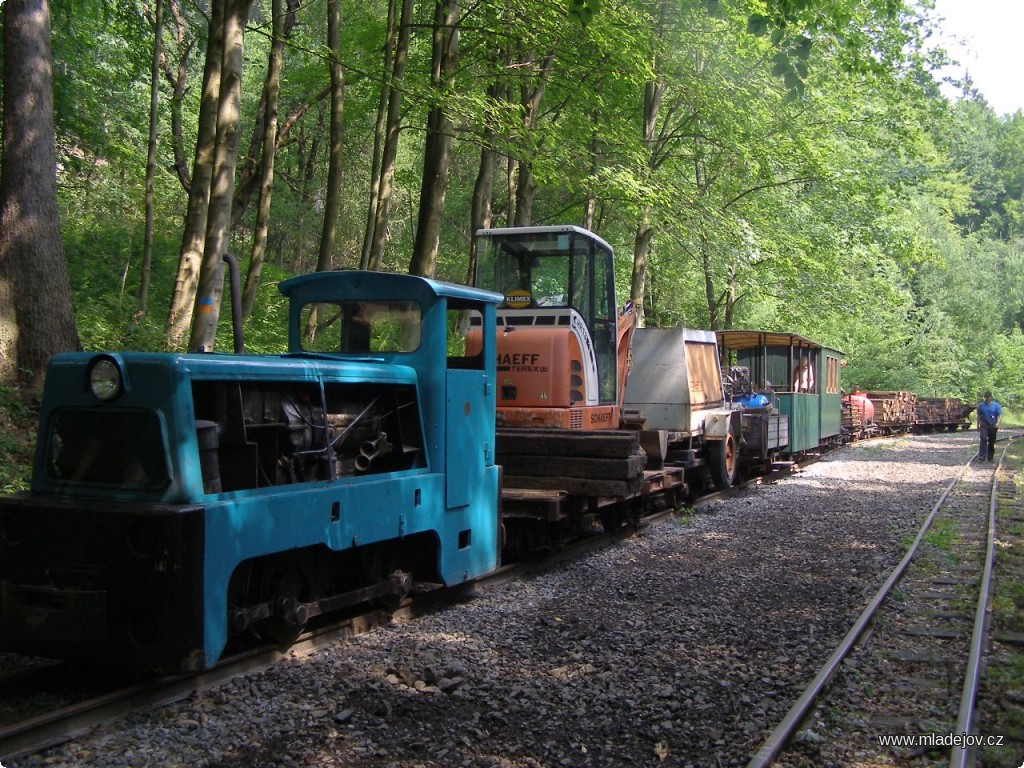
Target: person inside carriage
{"points": [[803, 376]]}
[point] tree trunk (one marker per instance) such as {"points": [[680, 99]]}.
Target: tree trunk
{"points": [[641, 251], [381, 207], [305, 160], [530, 98], [730, 301], [36, 313], [378, 135], [714, 309], [590, 206], [206, 312], [645, 230], [511, 175], [250, 169], [525, 192], [177, 78], [271, 91], [480, 210], [332, 200], [154, 120], [483, 190], [437, 152], [653, 93], [193, 239]]}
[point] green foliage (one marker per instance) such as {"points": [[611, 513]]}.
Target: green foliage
{"points": [[941, 535], [18, 414], [583, 11], [266, 330], [1007, 369], [805, 173]]}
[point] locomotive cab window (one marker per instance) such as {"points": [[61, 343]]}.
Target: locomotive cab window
{"points": [[361, 327], [465, 341]]}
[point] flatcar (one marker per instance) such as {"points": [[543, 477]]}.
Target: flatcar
{"points": [[595, 416], [182, 502]]}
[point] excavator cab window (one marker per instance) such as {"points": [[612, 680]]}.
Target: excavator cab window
{"points": [[562, 267]]}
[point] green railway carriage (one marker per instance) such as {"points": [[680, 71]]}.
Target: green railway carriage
{"points": [[810, 396]]}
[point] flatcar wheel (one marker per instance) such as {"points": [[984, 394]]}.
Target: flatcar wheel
{"points": [[674, 498], [611, 518], [723, 462], [280, 582]]}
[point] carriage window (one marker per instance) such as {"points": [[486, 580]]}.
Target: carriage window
{"points": [[832, 375], [361, 327]]}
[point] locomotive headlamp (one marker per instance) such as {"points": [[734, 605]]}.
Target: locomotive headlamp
{"points": [[105, 379]]}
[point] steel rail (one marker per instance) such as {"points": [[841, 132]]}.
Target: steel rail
{"points": [[960, 758], [53, 728], [785, 729]]}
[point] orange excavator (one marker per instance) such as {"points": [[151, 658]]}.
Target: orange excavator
{"points": [[563, 345]]}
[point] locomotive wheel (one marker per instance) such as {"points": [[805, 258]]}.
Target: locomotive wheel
{"points": [[723, 461], [280, 581]]}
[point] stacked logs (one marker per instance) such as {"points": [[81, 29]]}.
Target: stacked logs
{"points": [[852, 416], [948, 412], [894, 408]]}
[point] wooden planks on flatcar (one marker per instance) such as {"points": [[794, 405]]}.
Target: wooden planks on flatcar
{"points": [[582, 463], [894, 408], [948, 412]]}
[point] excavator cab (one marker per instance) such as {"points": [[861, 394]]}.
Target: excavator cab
{"points": [[562, 342]]}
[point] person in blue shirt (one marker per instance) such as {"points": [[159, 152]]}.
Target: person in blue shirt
{"points": [[989, 415]]}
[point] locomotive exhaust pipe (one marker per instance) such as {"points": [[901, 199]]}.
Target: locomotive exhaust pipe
{"points": [[236, 303], [369, 450]]}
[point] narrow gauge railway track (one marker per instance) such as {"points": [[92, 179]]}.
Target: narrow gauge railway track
{"points": [[51, 703], [910, 665], [98, 702], [48, 703]]}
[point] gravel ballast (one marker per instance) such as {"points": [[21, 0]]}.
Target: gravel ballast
{"points": [[682, 646]]}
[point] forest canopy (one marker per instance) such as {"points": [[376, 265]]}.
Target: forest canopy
{"points": [[779, 164]]}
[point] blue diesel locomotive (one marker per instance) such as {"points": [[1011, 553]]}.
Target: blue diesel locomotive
{"points": [[182, 501]]}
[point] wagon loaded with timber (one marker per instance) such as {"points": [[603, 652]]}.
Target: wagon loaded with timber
{"points": [[895, 412], [934, 414], [858, 416]]}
